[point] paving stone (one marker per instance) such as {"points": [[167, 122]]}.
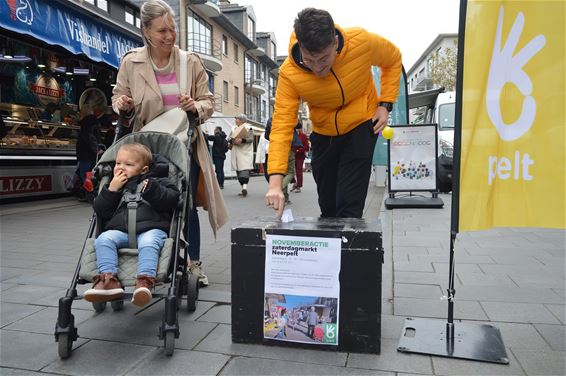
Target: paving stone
{"points": [[27, 294], [220, 341], [391, 326], [251, 366], [555, 335], [509, 294], [559, 311], [392, 360], [477, 279], [521, 336], [443, 267], [464, 310], [28, 351], [101, 358], [142, 327], [417, 291], [11, 312], [182, 362], [19, 372], [519, 312], [413, 267], [542, 362], [449, 366], [220, 313], [421, 277], [44, 321]]}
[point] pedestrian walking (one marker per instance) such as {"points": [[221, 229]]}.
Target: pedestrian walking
{"points": [[219, 150], [242, 140]]}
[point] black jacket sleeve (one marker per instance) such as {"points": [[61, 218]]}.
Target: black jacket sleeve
{"points": [[106, 203], [161, 194]]}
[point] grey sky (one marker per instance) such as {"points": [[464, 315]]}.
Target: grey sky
{"points": [[411, 24]]}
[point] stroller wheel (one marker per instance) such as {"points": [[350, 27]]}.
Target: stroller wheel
{"points": [[117, 305], [169, 342], [99, 306], [65, 345], [192, 292]]}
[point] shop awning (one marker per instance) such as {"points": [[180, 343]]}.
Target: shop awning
{"points": [[56, 24]]}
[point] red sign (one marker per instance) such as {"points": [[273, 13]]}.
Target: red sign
{"points": [[10, 185], [42, 90]]}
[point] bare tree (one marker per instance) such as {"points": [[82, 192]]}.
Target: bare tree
{"points": [[443, 71]]}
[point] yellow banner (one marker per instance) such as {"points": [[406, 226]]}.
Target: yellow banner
{"points": [[513, 125]]}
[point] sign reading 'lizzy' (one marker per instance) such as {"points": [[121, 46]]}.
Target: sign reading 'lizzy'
{"points": [[25, 184]]}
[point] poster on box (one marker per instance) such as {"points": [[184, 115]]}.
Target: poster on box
{"points": [[412, 158], [302, 289]]}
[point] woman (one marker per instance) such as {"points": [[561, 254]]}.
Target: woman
{"points": [[147, 85]]}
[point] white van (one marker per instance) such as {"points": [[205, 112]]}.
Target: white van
{"points": [[437, 106]]}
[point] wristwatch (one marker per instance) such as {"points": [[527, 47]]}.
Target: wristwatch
{"points": [[388, 105]]}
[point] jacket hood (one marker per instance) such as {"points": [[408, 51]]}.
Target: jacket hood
{"points": [[294, 52]]}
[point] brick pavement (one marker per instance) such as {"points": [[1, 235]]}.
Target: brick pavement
{"points": [[512, 278]]}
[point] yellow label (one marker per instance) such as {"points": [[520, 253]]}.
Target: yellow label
{"points": [[513, 125]]}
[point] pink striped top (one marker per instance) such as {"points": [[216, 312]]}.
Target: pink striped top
{"points": [[167, 81]]}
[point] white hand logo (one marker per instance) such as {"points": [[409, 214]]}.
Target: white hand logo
{"points": [[508, 68]]}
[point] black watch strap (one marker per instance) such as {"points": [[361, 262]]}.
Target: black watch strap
{"points": [[388, 105]]}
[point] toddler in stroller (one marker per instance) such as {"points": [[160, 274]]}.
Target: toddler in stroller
{"points": [[158, 198], [164, 185]]}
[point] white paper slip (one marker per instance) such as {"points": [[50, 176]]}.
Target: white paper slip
{"points": [[287, 216]]}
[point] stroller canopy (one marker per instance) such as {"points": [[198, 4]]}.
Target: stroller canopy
{"points": [[165, 144]]}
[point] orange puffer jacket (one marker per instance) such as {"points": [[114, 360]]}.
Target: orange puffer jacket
{"points": [[339, 102]]}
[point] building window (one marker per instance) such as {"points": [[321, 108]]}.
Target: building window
{"points": [[129, 16], [236, 53], [100, 4], [225, 45], [199, 34], [225, 90], [263, 109], [251, 29], [236, 96]]}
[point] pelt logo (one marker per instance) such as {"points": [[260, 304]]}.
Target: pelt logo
{"points": [[507, 67], [330, 333], [21, 10]]}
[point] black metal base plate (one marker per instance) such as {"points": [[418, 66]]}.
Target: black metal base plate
{"points": [[471, 341], [414, 202]]}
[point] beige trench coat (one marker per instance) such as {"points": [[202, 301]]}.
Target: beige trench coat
{"points": [[136, 79], [243, 154]]}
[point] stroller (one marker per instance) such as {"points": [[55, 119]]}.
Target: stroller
{"points": [[172, 266]]}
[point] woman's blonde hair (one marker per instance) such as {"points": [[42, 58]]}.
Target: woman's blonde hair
{"points": [[149, 11], [143, 151], [86, 109]]}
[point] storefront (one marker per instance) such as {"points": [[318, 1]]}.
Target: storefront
{"points": [[54, 58]]}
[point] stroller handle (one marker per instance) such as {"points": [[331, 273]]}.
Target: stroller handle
{"points": [[119, 126]]}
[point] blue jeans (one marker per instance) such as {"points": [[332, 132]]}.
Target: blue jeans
{"points": [[219, 169], [84, 167], [149, 247]]}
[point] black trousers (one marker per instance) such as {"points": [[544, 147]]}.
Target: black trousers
{"points": [[341, 167]]}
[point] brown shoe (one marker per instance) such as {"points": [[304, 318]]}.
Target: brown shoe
{"points": [[105, 287], [142, 292]]}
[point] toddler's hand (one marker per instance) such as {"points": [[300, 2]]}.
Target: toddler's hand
{"points": [[118, 181]]}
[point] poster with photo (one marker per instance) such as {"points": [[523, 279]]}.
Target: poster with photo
{"points": [[302, 289], [412, 158]]}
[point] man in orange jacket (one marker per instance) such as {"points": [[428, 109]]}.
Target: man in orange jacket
{"points": [[330, 68]]}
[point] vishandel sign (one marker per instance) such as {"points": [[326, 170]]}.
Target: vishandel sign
{"points": [[53, 23]]}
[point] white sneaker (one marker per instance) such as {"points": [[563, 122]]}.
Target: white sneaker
{"points": [[195, 267]]}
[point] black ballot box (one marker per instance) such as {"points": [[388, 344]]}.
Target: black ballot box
{"points": [[360, 260]]}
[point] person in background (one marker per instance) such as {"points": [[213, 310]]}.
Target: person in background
{"points": [[47, 114], [219, 150], [241, 140], [300, 155], [312, 320], [87, 142], [147, 85], [330, 68]]}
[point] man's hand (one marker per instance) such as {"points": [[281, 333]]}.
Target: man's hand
{"points": [[237, 141], [118, 181], [274, 197], [379, 119]]}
